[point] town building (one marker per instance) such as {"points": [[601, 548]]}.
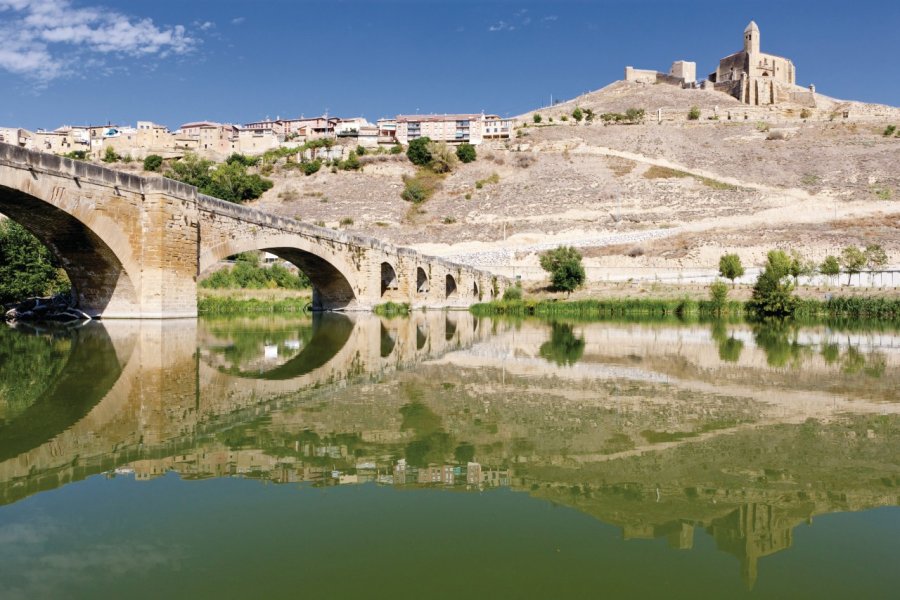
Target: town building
{"points": [[452, 128], [17, 137]]}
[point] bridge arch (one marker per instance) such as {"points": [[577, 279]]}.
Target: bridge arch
{"points": [[333, 279], [421, 281], [389, 280], [450, 286], [93, 250]]}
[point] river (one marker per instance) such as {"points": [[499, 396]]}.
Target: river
{"points": [[442, 455]]}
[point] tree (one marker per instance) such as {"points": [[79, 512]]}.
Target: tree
{"points": [[830, 267], [730, 267], [694, 113], [853, 260], [577, 114], [536, 118], [153, 162], [563, 348], [192, 170], [360, 151], [801, 267], [565, 268], [465, 152], [27, 268], [772, 292], [418, 153], [876, 257]]}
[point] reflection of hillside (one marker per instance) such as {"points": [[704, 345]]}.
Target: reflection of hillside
{"points": [[658, 455]]}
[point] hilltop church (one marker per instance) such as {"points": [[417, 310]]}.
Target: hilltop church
{"points": [[757, 78]]}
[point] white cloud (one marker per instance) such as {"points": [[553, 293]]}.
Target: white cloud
{"points": [[46, 39], [549, 18], [501, 26], [238, 20]]}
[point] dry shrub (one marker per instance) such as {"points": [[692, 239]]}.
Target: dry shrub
{"points": [[635, 251], [523, 161], [620, 166]]}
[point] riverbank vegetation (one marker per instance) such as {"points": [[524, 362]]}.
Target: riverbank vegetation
{"points": [[27, 267], [229, 305], [247, 273]]}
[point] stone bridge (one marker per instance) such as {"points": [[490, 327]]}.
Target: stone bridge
{"points": [[134, 247]]}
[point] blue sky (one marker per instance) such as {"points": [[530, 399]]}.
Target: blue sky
{"points": [[94, 61]]}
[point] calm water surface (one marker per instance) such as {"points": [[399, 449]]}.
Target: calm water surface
{"points": [[443, 455]]}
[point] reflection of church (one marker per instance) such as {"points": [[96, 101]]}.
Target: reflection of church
{"points": [[750, 533]]}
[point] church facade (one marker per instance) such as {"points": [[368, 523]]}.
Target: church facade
{"points": [[757, 78]]}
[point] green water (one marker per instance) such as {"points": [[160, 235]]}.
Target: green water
{"points": [[447, 456]]}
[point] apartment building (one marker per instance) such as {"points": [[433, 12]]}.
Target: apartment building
{"points": [[453, 128], [17, 137]]}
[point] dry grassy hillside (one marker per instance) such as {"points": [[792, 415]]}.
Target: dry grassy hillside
{"points": [[649, 198]]}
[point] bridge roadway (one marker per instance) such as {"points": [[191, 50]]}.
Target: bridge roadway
{"points": [[134, 247]]}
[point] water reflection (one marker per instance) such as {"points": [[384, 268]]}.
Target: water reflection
{"points": [[736, 431]]}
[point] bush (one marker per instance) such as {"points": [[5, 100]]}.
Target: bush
{"points": [[565, 268], [396, 149], [231, 182], [536, 118], [241, 159], [772, 292], [360, 151], [577, 114], [312, 167], [443, 157], [718, 295], [420, 187], [634, 115], [109, 155], [512, 293], [465, 152], [730, 267], [247, 274], [27, 268], [352, 163], [694, 113], [153, 162], [76, 155], [805, 113], [889, 130], [418, 153]]}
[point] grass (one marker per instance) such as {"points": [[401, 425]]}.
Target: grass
{"points": [[230, 305], [421, 186], [493, 179], [391, 309], [849, 308], [657, 172]]}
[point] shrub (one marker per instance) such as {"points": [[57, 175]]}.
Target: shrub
{"points": [[512, 293], [312, 167], [396, 149], [588, 114], [352, 163], [242, 159], [889, 130], [694, 113], [153, 162], [360, 151], [231, 182], [346, 221], [718, 295], [730, 267], [537, 118], [565, 268], [564, 118], [417, 151], [805, 113], [109, 155], [466, 153], [493, 179], [634, 115], [773, 291], [443, 157], [76, 155], [577, 114], [420, 187]]}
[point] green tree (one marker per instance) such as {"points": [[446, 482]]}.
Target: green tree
{"points": [[465, 152], [853, 260], [730, 267], [153, 162], [536, 118], [231, 182], [772, 293], [360, 151], [417, 151], [27, 268], [192, 170], [801, 267], [578, 114], [830, 267], [694, 113], [243, 159], [565, 268]]}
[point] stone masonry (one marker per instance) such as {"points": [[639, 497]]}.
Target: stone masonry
{"points": [[134, 246]]}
